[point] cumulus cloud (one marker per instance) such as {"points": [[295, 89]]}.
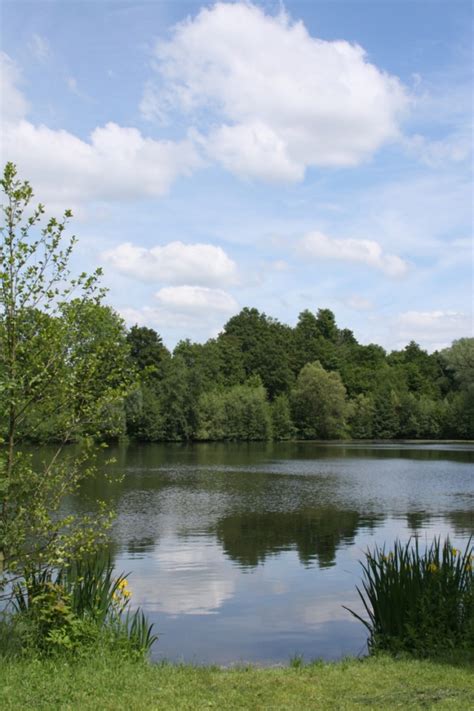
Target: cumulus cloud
{"points": [[433, 329], [116, 163], [254, 150], [199, 310], [174, 263], [281, 100], [362, 251]]}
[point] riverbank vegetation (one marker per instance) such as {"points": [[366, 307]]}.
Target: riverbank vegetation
{"points": [[104, 681], [419, 602], [261, 380]]}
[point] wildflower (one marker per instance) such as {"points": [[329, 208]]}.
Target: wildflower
{"points": [[433, 568], [454, 551]]}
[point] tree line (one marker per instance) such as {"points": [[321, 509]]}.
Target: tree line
{"points": [[261, 379]]}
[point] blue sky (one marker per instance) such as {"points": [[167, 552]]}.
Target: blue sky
{"points": [[279, 155]]}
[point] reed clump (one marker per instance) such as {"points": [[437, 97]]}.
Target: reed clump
{"points": [[81, 605], [419, 600]]}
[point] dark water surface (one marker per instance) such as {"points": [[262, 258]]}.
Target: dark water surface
{"points": [[247, 553]]}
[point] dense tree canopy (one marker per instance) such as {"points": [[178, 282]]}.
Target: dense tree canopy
{"points": [[261, 379]]}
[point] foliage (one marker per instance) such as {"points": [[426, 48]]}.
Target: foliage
{"points": [[238, 413], [319, 403], [405, 394], [64, 366], [262, 341], [146, 349], [361, 417], [419, 602], [282, 424], [81, 604]]}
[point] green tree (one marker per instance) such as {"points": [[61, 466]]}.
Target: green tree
{"points": [[459, 362], [146, 348], [459, 359], [319, 403], [362, 417], [264, 343], [386, 414], [175, 401], [282, 424], [63, 359], [240, 413]]}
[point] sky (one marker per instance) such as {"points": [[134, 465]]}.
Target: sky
{"points": [[283, 156]]}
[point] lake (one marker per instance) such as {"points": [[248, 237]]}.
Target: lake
{"points": [[248, 552]]}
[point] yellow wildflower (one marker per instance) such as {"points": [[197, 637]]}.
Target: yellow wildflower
{"points": [[433, 568], [454, 551]]}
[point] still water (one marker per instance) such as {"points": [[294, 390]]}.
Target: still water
{"points": [[248, 552]]}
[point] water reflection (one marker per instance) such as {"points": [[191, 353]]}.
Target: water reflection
{"points": [[249, 538], [248, 552]]}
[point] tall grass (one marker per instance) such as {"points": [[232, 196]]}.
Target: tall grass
{"points": [[83, 602], [418, 601]]}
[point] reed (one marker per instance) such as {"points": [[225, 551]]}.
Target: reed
{"points": [[80, 601], [419, 601]]}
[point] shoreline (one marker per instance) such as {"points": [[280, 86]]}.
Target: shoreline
{"points": [[104, 681]]}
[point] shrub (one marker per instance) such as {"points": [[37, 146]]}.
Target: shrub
{"points": [[418, 602], [80, 604]]}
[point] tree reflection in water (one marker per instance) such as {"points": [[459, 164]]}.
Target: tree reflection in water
{"points": [[316, 534]]}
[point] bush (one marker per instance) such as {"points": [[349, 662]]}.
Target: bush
{"points": [[419, 602], [77, 606]]}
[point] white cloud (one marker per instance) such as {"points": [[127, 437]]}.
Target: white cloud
{"points": [[359, 303], [174, 263], [433, 329], [13, 104], [455, 148], [39, 47], [281, 99], [363, 251], [117, 163], [196, 310], [254, 150], [195, 299]]}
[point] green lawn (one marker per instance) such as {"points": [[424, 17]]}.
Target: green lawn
{"points": [[107, 682]]}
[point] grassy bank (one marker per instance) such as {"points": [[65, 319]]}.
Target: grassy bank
{"points": [[107, 682]]}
